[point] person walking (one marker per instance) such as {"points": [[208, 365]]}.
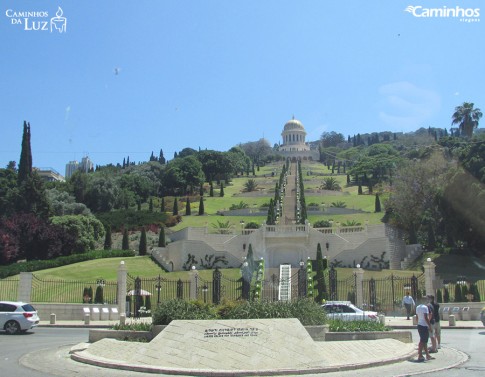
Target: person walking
{"points": [[424, 327], [431, 317], [409, 304], [436, 324]]}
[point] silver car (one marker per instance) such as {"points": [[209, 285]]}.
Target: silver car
{"points": [[346, 311], [16, 317]]}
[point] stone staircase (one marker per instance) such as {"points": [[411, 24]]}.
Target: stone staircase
{"points": [[284, 290]]}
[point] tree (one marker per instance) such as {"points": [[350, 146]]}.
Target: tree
{"points": [[150, 205], [320, 277], [221, 191], [142, 249], [175, 210], [161, 237], [466, 117], [377, 204], [162, 205], [107, 239], [188, 211], [88, 230], [25, 163], [98, 297], [125, 243], [331, 139], [250, 258], [458, 296], [211, 189], [201, 206]]}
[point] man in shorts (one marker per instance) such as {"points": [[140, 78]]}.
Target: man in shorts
{"points": [[424, 328], [436, 324]]}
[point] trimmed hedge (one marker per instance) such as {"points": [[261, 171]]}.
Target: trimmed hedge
{"points": [[36, 265], [337, 325], [306, 311]]}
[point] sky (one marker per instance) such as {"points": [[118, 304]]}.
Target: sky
{"points": [[122, 78]]}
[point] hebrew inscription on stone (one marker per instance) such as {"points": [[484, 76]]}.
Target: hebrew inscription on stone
{"points": [[231, 332]]}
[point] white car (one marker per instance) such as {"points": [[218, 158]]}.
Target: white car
{"points": [[16, 317], [346, 311]]}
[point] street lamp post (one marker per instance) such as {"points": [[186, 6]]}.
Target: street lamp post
{"points": [[302, 279], [158, 287]]}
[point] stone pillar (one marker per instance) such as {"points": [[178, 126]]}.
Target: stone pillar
{"points": [[25, 287], [430, 277], [122, 278], [359, 293], [194, 282]]}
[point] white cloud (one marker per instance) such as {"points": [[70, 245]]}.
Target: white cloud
{"points": [[405, 106], [68, 112]]}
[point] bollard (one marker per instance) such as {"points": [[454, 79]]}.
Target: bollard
{"points": [[53, 319], [122, 319], [382, 319], [451, 320], [87, 318], [415, 320]]}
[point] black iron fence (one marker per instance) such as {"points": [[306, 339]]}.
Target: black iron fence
{"points": [[9, 288], [70, 291], [385, 295]]}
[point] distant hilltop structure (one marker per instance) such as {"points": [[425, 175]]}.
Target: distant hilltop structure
{"points": [[86, 165], [294, 145]]}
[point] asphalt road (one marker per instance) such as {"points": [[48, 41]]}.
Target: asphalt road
{"points": [[43, 353]]}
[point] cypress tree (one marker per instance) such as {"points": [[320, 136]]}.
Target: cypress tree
{"points": [[107, 239], [458, 297], [175, 211], [377, 204], [201, 206], [125, 243], [201, 190], [142, 250], [360, 189], [90, 294], [320, 277], [348, 179], [188, 211], [98, 298], [221, 192], [211, 189], [25, 163], [162, 205], [446, 295], [439, 296], [150, 205], [161, 237]]}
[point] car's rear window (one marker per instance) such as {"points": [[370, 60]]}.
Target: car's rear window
{"points": [[28, 308]]}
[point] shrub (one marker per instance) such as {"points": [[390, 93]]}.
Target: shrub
{"points": [[131, 219], [240, 205], [250, 185], [306, 311], [351, 223], [251, 225], [322, 224], [134, 326], [337, 325], [171, 310], [339, 204], [36, 265], [331, 184]]}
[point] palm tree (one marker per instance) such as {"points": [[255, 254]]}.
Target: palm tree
{"points": [[466, 117]]}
